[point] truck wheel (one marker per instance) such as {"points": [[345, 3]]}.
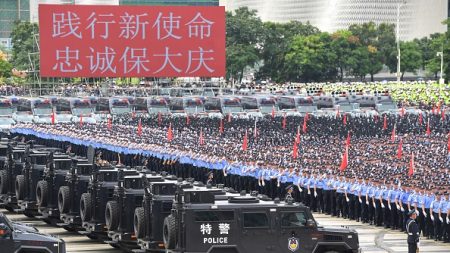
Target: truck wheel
{"points": [[41, 193], [63, 199], [139, 225], [85, 207], [20, 187], [170, 232], [3, 182], [112, 215]]}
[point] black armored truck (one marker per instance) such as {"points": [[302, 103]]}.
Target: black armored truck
{"points": [[242, 224], [22, 239]]}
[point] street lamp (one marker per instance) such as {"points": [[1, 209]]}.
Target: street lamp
{"points": [[441, 54], [398, 39]]}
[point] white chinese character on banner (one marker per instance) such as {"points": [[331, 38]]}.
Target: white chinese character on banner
{"points": [[134, 59], [167, 24], [167, 60], [102, 61], [206, 229], [65, 24], [132, 25], [100, 19], [199, 27], [224, 228], [67, 61], [201, 60]]}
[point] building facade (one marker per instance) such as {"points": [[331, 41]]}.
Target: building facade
{"points": [[10, 11], [418, 18]]}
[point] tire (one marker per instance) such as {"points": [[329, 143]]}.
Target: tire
{"points": [[3, 182], [139, 222], [64, 199], [20, 187], [112, 215], [29, 214], [170, 232], [41, 193], [86, 207]]}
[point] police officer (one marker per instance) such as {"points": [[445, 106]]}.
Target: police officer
{"points": [[210, 180], [413, 232], [288, 197], [436, 216]]}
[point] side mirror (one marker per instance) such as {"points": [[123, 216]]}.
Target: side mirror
{"points": [[310, 223], [4, 231]]}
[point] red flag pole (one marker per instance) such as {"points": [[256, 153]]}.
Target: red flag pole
{"points": [[344, 162], [411, 166], [400, 149], [81, 120], [221, 126], [347, 142], [245, 142], [283, 124], [170, 133], [385, 122], [109, 123], [295, 150], [139, 129], [53, 117], [428, 128], [305, 126], [393, 133]]}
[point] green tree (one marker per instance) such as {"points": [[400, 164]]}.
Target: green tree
{"points": [[275, 44], [343, 44], [244, 30], [433, 62], [386, 44], [310, 58], [23, 43], [447, 51], [411, 57], [5, 69]]}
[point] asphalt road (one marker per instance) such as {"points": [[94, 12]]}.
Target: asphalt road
{"points": [[372, 239]]}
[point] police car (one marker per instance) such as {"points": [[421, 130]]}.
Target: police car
{"points": [[200, 223], [21, 238]]}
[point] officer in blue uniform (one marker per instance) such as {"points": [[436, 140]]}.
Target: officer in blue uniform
{"points": [[436, 210]]}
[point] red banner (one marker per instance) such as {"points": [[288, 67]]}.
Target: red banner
{"points": [[132, 41]]}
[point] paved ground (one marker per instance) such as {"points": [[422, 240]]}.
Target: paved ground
{"points": [[379, 240], [372, 239]]}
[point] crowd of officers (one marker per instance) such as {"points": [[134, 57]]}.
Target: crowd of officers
{"points": [[374, 189]]}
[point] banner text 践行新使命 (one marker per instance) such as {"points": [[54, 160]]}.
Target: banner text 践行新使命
{"points": [[132, 41]]}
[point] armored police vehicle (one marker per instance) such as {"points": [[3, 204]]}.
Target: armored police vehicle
{"points": [[21, 239], [69, 195], [242, 224]]}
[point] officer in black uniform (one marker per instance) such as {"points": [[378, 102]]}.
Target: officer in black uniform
{"points": [[210, 180], [289, 190], [413, 232]]}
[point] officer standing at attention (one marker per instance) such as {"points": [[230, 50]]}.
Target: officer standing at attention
{"points": [[289, 190], [413, 232]]}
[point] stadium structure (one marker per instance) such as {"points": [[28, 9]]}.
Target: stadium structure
{"points": [[417, 18]]}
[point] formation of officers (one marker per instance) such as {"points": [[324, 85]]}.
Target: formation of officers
{"points": [[375, 188]]}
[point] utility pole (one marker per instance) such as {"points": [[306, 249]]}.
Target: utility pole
{"points": [[441, 54], [398, 41]]}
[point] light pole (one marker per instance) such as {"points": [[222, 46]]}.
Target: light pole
{"points": [[441, 54], [398, 40]]}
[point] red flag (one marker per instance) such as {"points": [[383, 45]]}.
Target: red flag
{"points": [[221, 126], [81, 120], [295, 150], [433, 110], [109, 123], [170, 133], [133, 114], [159, 118], [245, 142], [420, 119], [338, 114], [345, 120], [201, 139], [442, 115], [297, 137], [273, 112], [428, 128], [347, 142], [53, 117], [344, 162], [400, 149], [283, 124], [385, 122], [307, 116], [188, 120], [229, 117], [393, 133], [305, 119], [448, 143], [139, 128], [402, 112], [411, 166]]}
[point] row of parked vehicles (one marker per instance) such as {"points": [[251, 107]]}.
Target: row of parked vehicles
{"points": [[93, 109], [137, 209]]}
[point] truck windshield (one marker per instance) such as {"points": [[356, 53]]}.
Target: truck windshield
{"points": [[6, 108], [293, 219]]}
